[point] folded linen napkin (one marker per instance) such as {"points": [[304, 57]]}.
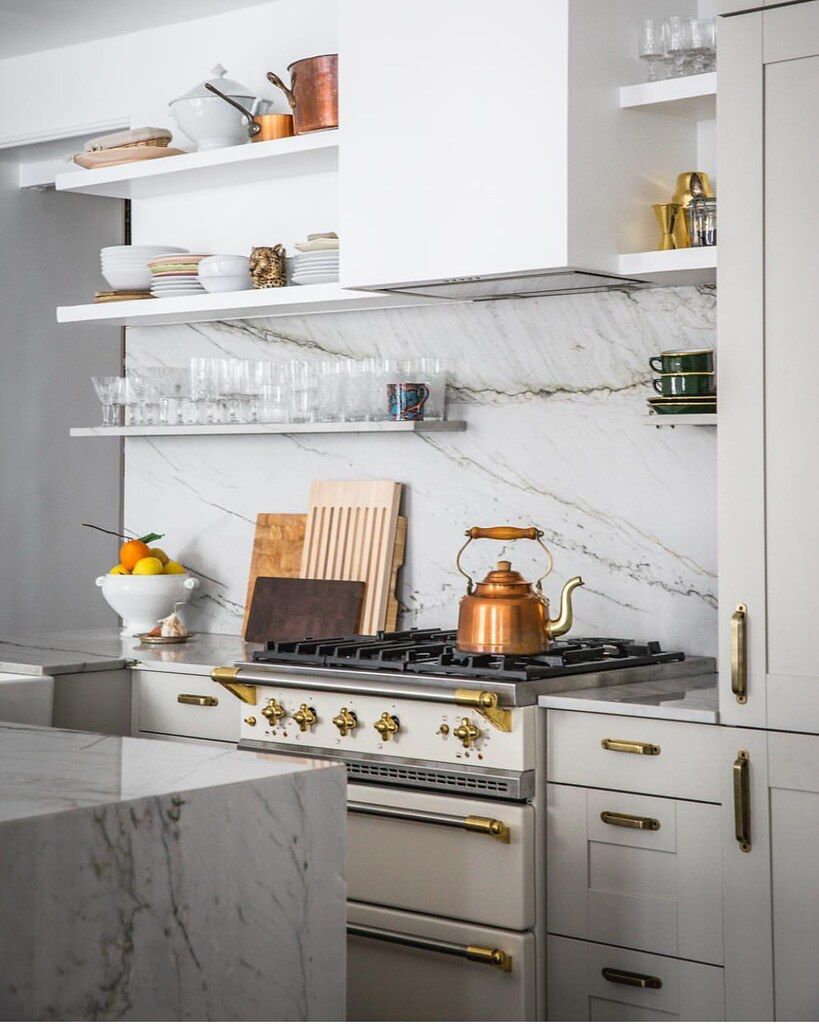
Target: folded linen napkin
{"points": [[128, 137]]}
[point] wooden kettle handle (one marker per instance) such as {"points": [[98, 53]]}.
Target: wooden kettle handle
{"points": [[504, 533]]}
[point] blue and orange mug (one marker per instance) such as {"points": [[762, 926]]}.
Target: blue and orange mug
{"points": [[406, 401]]}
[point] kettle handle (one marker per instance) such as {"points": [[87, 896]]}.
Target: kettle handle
{"points": [[503, 533]]}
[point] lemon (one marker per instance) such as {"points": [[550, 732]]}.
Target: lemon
{"points": [[160, 554], [148, 567], [118, 570], [174, 568]]}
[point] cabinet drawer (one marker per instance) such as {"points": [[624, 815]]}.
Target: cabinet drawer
{"points": [[578, 988], [158, 707], [656, 888], [586, 749], [394, 980], [440, 866]]}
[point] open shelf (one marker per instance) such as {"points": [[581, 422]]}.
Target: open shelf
{"points": [[378, 427], [701, 419], [295, 300], [697, 265], [693, 98], [214, 168]]}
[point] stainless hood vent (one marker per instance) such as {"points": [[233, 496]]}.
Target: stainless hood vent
{"points": [[514, 286]]}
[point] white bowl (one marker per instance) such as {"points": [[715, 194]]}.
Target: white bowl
{"points": [[150, 250], [142, 600], [128, 277], [219, 265], [227, 282]]}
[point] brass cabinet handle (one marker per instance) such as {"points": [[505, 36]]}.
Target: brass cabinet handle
{"points": [[631, 978], [742, 800], [492, 827], [630, 746], [739, 653], [198, 699], [480, 954], [630, 821]]}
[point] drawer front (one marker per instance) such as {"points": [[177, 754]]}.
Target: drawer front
{"points": [[656, 888], [177, 704], [439, 866], [591, 982], [639, 755], [394, 981]]}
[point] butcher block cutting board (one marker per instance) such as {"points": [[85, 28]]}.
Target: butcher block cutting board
{"points": [[288, 609], [277, 551]]}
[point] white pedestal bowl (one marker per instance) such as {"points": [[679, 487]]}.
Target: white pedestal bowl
{"points": [[141, 600]]}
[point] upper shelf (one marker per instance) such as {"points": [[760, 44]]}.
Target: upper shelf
{"points": [[693, 98], [697, 265], [214, 168]]}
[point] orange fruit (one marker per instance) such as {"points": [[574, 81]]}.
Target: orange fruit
{"points": [[131, 552]]}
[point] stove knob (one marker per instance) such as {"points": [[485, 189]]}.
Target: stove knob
{"points": [[466, 732], [305, 717], [387, 725], [273, 711], [346, 721]]}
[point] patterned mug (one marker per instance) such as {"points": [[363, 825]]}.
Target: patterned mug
{"points": [[406, 401]]}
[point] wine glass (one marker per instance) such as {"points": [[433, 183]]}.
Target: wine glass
{"points": [[679, 44], [651, 45], [108, 391]]}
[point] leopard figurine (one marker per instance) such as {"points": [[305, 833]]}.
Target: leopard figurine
{"points": [[267, 266]]}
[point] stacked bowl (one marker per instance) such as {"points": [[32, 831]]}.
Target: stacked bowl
{"points": [[225, 273], [175, 274], [125, 267]]}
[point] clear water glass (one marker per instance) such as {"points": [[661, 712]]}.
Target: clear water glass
{"points": [[651, 34], [204, 372], [303, 392], [679, 45], [331, 384], [432, 371], [107, 390], [357, 398]]}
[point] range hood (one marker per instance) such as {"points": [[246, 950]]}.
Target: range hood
{"points": [[514, 286]]}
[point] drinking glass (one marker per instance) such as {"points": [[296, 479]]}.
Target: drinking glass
{"points": [[274, 392], [702, 43], [707, 39], [651, 44], [679, 45], [204, 372], [144, 401], [303, 392], [432, 371], [173, 387], [357, 383], [331, 385], [108, 390]]}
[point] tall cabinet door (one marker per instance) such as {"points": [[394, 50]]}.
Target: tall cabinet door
{"points": [[768, 120]]}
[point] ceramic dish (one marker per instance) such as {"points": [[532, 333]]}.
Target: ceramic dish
{"points": [[222, 264], [150, 250], [128, 278], [227, 283], [682, 407], [159, 641]]}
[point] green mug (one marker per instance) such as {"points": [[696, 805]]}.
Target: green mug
{"points": [[685, 385], [692, 360]]}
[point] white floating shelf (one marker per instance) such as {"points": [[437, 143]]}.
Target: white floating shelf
{"points": [[214, 168], [295, 300], [697, 265], [380, 427], [693, 98], [694, 419]]}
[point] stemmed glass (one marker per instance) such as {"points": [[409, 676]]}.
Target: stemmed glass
{"points": [[108, 390], [651, 48], [679, 45]]}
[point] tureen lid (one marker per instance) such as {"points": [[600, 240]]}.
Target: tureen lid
{"points": [[225, 85]]}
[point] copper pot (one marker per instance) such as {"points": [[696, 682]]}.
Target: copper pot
{"points": [[313, 92], [273, 126], [503, 614]]}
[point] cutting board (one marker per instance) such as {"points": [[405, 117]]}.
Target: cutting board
{"points": [[277, 549], [288, 609], [351, 530]]}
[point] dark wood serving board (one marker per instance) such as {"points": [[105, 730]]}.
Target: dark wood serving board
{"points": [[292, 609]]}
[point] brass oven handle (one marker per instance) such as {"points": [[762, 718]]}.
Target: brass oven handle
{"points": [[742, 800], [492, 827], [199, 699], [630, 821], [480, 954], [631, 978], [739, 653], [502, 533], [630, 746]]}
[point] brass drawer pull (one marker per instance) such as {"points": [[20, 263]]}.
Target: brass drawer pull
{"points": [[739, 654], [631, 978], [492, 827], [480, 954], [630, 747], [742, 800], [198, 699], [630, 821]]}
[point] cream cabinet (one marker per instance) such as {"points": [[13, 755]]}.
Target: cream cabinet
{"points": [[768, 124], [184, 705]]}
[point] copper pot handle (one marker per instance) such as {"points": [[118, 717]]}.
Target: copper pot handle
{"points": [[503, 533], [291, 96]]}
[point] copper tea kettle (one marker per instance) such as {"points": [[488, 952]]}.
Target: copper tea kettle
{"points": [[503, 614]]}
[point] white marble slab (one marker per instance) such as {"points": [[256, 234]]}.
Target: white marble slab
{"points": [[685, 699], [553, 391], [148, 880]]}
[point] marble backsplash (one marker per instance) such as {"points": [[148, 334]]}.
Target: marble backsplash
{"points": [[553, 391]]}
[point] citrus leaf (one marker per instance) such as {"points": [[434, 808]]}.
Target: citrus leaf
{"points": [[151, 536]]}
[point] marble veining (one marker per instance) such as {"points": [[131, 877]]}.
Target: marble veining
{"points": [[553, 391], [684, 699]]}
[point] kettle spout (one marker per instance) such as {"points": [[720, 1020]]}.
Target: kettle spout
{"points": [[563, 623]]}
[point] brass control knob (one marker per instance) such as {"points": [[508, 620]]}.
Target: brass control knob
{"points": [[387, 725], [273, 711], [250, 720], [305, 717], [345, 721], [466, 732]]}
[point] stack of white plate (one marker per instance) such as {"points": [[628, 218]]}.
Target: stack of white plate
{"points": [[125, 267], [175, 275], [317, 267]]}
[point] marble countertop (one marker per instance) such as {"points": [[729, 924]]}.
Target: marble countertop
{"points": [[687, 699], [50, 771], [94, 650]]}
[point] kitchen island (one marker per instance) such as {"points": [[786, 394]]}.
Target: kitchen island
{"points": [[144, 879]]}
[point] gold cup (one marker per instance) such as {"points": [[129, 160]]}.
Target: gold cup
{"points": [[666, 214]]}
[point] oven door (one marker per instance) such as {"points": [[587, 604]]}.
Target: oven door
{"points": [[404, 966]]}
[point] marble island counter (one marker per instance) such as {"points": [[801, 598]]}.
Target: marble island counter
{"points": [[145, 879]]}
